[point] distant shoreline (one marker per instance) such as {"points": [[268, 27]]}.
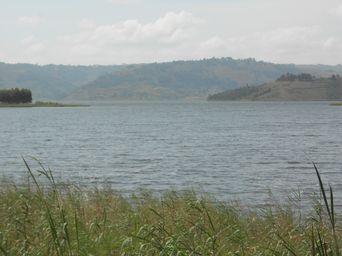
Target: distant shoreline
{"points": [[336, 104], [40, 104]]}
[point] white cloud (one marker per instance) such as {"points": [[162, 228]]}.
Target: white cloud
{"points": [[86, 24], [31, 47], [126, 41], [288, 35], [242, 33], [28, 40], [30, 20], [36, 48], [337, 10], [299, 44], [124, 2], [214, 42], [179, 36], [331, 42], [171, 28]]}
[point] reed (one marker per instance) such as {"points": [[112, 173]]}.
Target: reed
{"points": [[43, 217]]}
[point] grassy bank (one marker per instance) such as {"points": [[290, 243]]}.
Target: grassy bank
{"points": [[58, 219], [41, 104], [336, 104]]}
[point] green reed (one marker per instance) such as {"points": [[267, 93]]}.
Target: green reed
{"points": [[44, 217]]}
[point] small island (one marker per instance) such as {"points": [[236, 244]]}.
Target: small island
{"points": [[22, 98]]}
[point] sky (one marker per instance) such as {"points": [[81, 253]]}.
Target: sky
{"points": [[88, 32]]}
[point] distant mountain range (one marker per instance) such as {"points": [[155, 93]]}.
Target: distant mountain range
{"points": [[289, 87], [155, 81]]}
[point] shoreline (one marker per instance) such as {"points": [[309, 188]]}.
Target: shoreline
{"points": [[40, 104]]}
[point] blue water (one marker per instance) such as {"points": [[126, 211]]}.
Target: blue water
{"points": [[237, 150]]}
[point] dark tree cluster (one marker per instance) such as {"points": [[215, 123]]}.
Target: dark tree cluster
{"points": [[15, 96], [335, 77], [301, 77]]}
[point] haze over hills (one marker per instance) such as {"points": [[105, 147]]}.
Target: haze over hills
{"points": [[179, 79], [289, 87], [53, 82], [155, 81]]}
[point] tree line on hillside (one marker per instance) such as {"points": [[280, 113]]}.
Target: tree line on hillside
{"points": [[304, 77], [301, 77], [15, 96]]}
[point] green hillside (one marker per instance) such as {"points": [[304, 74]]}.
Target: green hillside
{"points": [[179, 79], [289, 87], [155, 81]]}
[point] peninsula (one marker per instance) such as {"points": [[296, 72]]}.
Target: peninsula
{"points": [[288, 87]]}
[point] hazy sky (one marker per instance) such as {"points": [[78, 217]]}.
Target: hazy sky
{"points": [[131, 31]]}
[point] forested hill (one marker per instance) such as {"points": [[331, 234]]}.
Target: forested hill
{"points": [[180, 79], [171, 80], [49, 81], [188, 79], [289, 87]]}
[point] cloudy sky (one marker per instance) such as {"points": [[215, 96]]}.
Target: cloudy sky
{"points": [[135, 31]]}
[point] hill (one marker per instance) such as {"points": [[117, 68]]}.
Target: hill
{"points": [[179, 79], [187, 79], [155, 81], [289, 87], [49, 81]]}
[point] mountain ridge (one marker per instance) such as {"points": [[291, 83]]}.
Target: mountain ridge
{"points": [[151, 81], [187, 79]]}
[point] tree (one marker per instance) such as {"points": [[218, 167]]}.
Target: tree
{"points": [[15, 96], [301, 77]]}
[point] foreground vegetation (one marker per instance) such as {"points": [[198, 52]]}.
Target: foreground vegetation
{"points": [[57, 219]]}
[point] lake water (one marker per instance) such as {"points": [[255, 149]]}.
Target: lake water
{"points": [[236, 150]]}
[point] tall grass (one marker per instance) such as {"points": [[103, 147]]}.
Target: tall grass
{"points": [[42, 218]]}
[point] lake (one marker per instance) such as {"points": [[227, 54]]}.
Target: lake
{"points": [[233, 150]]}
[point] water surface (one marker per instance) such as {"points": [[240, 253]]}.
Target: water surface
{"points": [[237, 150]]}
